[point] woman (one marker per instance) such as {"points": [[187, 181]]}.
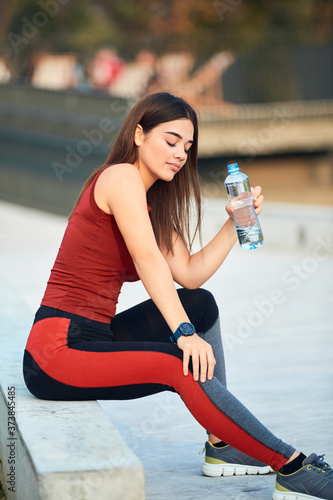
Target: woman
{"points": [[131, 222]]}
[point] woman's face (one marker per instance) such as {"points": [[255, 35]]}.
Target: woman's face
{"points": [[163, 151]]}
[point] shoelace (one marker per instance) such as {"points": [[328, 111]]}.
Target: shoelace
{"points": [[323, 466]]}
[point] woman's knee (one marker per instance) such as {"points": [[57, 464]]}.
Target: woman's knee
{"points": [[200, 306]]}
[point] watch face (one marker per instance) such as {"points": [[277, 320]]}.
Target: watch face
{"points": [[186, 328]]}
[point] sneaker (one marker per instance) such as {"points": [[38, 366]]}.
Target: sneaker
{"points": [[228, 461], [312, 481]]}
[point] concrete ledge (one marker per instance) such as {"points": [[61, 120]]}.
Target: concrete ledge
{"points": [[67, 450]]}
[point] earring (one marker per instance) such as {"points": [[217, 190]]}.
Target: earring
{"points": [[138, 144]]}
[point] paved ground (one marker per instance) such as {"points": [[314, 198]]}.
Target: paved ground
{"points": [[277, 328]]}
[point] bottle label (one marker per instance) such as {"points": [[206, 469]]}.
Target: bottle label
{"points": [[236, 188]]}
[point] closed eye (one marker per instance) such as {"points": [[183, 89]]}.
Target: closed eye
{"points": [[174, 144]]}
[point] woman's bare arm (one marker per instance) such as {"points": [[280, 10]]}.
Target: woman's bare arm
{"points": [[120, 187], [192, 271]]}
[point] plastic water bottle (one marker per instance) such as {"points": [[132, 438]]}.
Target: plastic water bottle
{"points": [[240, 197]]}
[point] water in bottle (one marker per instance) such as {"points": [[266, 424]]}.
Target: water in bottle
{"points": [[240, 197]]}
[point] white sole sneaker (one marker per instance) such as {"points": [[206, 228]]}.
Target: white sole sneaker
{"points": [[291, 495], [217, 470]]}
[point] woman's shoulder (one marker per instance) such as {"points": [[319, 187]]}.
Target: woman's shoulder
{"points": [[116, 183], [120, 171], [118, 177]]}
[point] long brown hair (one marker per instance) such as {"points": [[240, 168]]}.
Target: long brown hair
{"points": [[171, 202]]}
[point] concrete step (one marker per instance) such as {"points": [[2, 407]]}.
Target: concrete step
{"points": [[55, 449]]}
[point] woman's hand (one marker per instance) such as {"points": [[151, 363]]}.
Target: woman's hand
{"points": [[257, 199], [202, 356], [257, 202]]}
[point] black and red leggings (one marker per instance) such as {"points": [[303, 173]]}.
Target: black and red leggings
{"points": [[69, 357]]}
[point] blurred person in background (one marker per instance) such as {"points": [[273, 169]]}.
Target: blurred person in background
{"points": [[131, 222], [104, 69]]}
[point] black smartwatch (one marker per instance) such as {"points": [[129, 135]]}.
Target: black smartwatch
{"points": [[186, 329]]}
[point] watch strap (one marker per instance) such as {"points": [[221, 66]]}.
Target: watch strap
{"points": [[175, 336], [186, 332]]}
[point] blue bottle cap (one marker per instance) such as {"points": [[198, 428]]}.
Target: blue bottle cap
{"points": [[233, 168]]}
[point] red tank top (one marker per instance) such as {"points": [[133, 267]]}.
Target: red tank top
{"points": [[92, 264]]}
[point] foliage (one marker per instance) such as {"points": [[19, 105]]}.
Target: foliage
{"points": [[83, 26]]}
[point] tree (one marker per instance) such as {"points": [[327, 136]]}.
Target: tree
{"points": [[82, 26]]}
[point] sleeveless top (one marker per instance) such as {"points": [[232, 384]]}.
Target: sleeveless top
{"points": [[92, 263]]}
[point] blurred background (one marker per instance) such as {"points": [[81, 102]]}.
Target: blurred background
{"points": [[259, 74]]}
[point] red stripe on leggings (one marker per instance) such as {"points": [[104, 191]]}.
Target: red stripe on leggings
{"points": [[47, 344]]}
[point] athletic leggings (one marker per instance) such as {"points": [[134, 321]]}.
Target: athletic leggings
{"points": [[69, 357]]}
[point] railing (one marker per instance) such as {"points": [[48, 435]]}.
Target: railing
{"points": [[267, 129], [50, 141], [58, 113]]}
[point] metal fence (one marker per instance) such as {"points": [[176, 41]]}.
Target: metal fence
{"points": [[51, 141]]}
